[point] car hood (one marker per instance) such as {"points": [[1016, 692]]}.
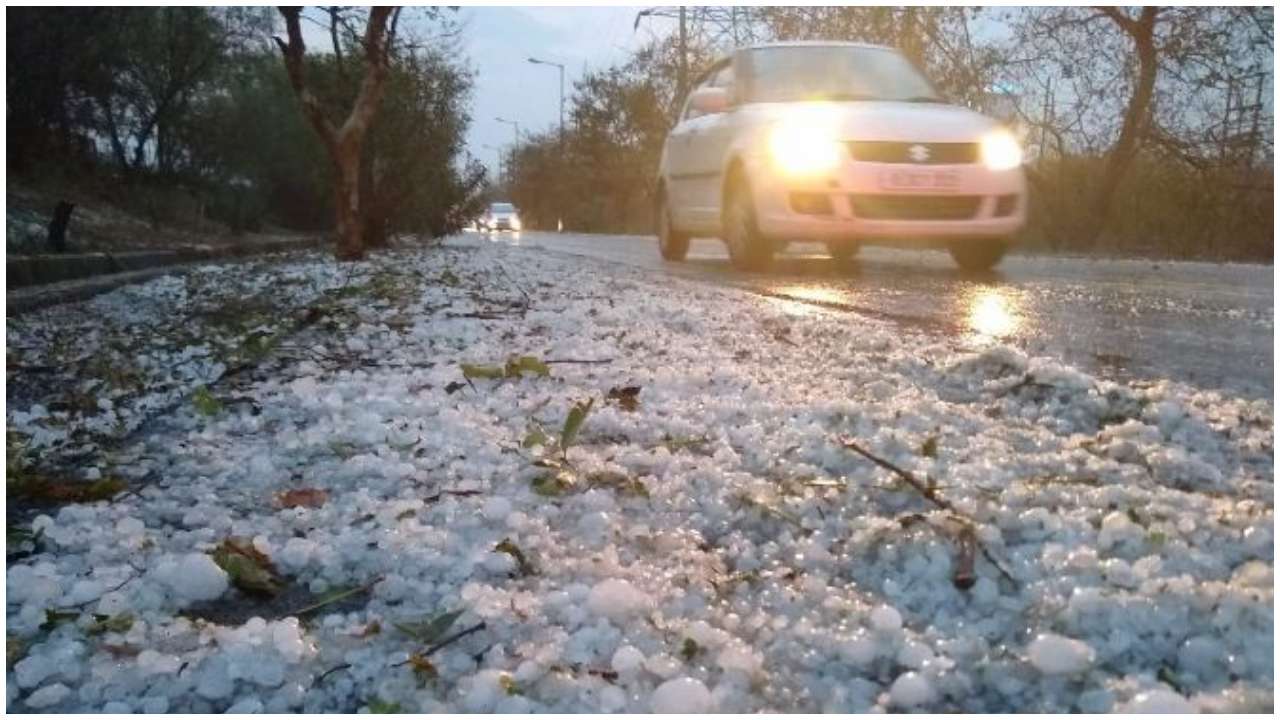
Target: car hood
{"points": [[885, 121]]}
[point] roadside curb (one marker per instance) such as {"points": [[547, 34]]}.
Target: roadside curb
{"points": [[79, 277], [28, 271]]}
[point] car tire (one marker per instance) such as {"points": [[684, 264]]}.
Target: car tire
{"points": [[843, 252], [980, 254], [672, 244], [748, 249]]}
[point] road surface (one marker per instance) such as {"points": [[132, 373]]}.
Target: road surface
{"points": [[1209, 325]]}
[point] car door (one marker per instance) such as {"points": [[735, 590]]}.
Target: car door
{"points": [[713, 135], [680, 172]]}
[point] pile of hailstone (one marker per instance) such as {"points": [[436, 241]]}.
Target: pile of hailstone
{"points": [[711, 548]]}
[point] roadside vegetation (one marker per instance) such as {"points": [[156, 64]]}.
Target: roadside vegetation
{"points": [[1147, 132], [187, 117]]}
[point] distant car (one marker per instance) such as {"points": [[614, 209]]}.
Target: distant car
{"points": [[500, 216], [843, 143]]}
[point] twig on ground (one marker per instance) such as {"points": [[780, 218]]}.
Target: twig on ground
{"points": [[453, 639], [331, 671], [445, 643], [929, 493]]}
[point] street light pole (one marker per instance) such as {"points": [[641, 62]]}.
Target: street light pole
{"points": [[514, 124], [560, 67]]}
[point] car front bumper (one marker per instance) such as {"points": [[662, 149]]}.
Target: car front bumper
{"points": [[867, 201]]}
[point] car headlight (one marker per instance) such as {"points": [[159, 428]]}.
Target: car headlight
{"points": [[801, 149], [1000, 151], [515, 223]]}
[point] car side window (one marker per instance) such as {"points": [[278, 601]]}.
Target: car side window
{"points": [[689, 111], [722, 78]]}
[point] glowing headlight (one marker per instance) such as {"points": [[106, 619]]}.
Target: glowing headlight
{"points": [[515, 223], [803, 150], [1000, 151]]}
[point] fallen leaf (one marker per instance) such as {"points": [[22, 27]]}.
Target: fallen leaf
{"points": [[929, 448], [620, 482], [249, 569], [302, 497], [481, 372], [518, 366], [522, 563], [423, 668], [383, 707], [573, 423], [109, 623], [553, 484], [206, 404], [627, 398], [535, 436], [429, 631]]}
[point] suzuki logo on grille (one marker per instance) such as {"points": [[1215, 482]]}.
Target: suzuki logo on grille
{"points": [[918, 153]]}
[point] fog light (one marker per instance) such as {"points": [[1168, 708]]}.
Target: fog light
{"points": [[808, 203]]}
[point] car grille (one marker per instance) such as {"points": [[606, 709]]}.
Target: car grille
{"points": [[915, 207], [901, 152]]}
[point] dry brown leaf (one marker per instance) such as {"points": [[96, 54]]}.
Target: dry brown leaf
{"points": [[302, 497]]}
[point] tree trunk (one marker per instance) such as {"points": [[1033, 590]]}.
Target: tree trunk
{"points": [[58, 226], [1142, 32], [346, 202], [342, 144]]}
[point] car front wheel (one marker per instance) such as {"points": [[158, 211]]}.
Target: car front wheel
{"points": [[842, 252], [673, 245], [979, 254], [748, 250]]}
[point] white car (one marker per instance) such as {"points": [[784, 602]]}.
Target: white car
{"points": [[842, 143], [500, 216]]}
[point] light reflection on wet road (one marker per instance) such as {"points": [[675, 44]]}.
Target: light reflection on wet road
{"points": [[1205, 324]]}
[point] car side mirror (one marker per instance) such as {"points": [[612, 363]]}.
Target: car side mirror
{"points": [[709, 100]]}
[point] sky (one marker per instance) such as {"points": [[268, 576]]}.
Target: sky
{"points": [[498, 42]]}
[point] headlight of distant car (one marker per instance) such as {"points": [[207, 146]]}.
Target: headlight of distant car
{"points": [[515, 223], [1000, 150], [802, 149]]}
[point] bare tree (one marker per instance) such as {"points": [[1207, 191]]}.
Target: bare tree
{"points": [[342, 143]]}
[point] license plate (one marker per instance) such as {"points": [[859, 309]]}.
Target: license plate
{"points": [[920, 180]]}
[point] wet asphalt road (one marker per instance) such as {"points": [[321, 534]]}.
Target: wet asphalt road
{"points": [[1209, 325]]}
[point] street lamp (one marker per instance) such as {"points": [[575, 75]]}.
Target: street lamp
{"points": [[536, 61], [514, 124]]}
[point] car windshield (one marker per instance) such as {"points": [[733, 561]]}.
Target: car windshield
{"points": [[502, 208], [833, 72]]}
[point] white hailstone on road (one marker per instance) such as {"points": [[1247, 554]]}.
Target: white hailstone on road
{"points": [[297, 551], [33, 669], [496, 508], [246, 706], [1057, 655], [860, 649], [914, 654], [736, 657], [681, 695], [287, 637], [886, 619], [626, 659], [130, 527], [910, 690], [48, 695], [1161, 701], [194, 577], [616, 599]]}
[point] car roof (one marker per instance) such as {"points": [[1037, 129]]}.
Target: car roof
{"points": [[814, 43]]}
